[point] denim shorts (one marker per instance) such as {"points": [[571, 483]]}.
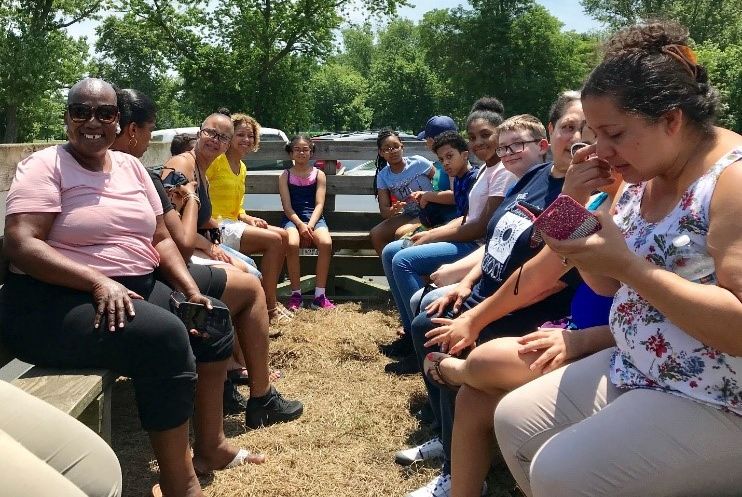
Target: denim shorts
{"points": [[320, 224]]}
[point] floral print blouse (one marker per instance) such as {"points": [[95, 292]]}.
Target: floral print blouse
{"points": [[651, 351]]}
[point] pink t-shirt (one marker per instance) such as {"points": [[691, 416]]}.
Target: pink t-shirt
{"points": [[105, 221]]}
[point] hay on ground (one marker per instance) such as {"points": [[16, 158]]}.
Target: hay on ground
{"points": [[356, 417]]}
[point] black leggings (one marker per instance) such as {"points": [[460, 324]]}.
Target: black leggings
{"points": [[52, 326]]}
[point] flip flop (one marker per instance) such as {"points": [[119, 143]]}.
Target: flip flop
{"points": [[432, 370], [242, 458]]}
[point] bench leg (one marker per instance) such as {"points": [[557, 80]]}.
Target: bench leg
{"points": [[97, 416]]}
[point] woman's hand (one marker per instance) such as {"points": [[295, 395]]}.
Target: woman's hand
{"points": [[557, 346], [604, 252], [453, 335], [113, 300], [216, 253], [198, 298], [257, 222], [586, 174], [454, 298]]}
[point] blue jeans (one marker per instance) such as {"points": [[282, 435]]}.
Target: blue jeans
{"points": [[404, 269]]}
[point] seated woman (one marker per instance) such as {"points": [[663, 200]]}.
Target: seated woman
{"points": [[85, 237], [509, 245], [240, 291], [660, 414], [248, 234], [397, 179], [477, 195], [47, 453]]}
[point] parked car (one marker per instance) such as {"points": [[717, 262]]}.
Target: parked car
{"points": [[267, 135], [350, 165]]}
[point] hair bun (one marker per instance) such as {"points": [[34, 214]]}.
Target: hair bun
{"points": [[225, 111], [489, 104], [646, 37]]}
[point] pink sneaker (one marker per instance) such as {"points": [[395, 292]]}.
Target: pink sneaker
{"points": [[295, 302], [322, 302]]}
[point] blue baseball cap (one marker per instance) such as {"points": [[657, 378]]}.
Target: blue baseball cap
{"points": [[437, 125]]}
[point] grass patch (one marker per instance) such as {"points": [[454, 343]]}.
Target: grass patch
{"points": [[355, 418]]}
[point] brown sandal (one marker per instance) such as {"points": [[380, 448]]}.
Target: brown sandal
{"points": [[432, 370]]}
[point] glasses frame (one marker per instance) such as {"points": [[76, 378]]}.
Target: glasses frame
{"points": [[509, 150], [211, 134], [93, 112]]}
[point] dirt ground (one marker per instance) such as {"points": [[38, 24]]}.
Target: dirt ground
{"points": [[355, 418]]}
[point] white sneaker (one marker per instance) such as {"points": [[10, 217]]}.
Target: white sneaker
{"points": [[432, 449], [440, 486]]}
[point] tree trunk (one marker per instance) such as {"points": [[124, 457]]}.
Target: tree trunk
{"points": [[11, 124]]}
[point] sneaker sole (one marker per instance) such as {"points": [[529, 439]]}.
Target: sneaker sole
{"points": [[266, 421]]}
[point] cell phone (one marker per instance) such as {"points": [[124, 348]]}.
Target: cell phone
{"points": [[214, 323], [567, 219]]}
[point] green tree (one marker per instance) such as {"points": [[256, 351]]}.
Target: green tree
{"points": [[38, 58], [339, 94], [255, 56], [358, 49], [714, 20], [725, 71], [403, 89], [513, 50]]}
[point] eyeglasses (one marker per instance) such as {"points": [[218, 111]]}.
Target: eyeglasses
{"points": [[388, 150], [301, 150], [513, 148], [211, 133], [80, 113]]}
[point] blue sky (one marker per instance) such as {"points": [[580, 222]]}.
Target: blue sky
{"points": [[568, 11]]}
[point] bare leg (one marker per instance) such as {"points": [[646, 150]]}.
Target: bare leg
{"points": [[324, 246], [177, 476], [246, 300], [292, 258], [406, 228], [473, 441], [270, 244], [491, 367], [383, 233]]}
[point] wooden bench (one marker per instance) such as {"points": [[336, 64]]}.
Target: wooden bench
{"points": [[82, 393]]}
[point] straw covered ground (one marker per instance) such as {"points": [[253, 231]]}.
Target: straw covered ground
{"points": [[356, 417]]}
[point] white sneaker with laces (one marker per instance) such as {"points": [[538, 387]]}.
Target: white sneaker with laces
{"points": [[440, 486], [432, 449]]}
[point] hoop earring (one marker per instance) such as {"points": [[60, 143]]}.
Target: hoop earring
{"points": [[132, 147]]}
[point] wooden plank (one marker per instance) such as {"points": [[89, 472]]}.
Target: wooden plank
{"points": [[355, 285], [267, 182], [68, 390], [337, 220]]}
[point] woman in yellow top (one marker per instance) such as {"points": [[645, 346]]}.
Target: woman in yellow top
{"points": [[240, 231]]}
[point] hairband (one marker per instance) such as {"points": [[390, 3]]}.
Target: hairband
{"points": [[685, 55]]}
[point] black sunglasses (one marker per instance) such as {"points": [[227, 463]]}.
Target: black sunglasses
{"points": [[80, 113]]}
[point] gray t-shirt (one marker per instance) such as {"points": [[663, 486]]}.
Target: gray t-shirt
{"points": [[413, 178]]}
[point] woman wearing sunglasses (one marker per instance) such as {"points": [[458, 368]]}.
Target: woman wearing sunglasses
{"points": [[84, 234]]}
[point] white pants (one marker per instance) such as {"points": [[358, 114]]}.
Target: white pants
{"points": [[573, 433], [46, 453]]}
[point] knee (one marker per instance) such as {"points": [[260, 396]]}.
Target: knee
{"points": [[102, 477], [401, 261], [555, 474], [508, 419], [483, 361], [325, 244]]}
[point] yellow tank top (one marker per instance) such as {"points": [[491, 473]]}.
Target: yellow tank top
{"points": [[226, 189]]}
